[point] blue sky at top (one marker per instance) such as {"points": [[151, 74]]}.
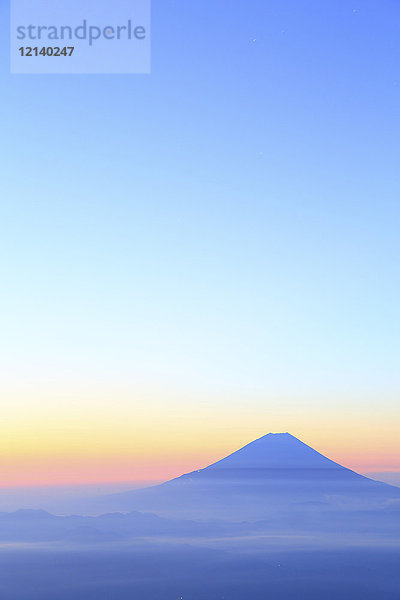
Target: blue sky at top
{"points": [[229, 222]]}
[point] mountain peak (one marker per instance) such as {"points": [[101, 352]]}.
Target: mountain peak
{"points": [[276, 471], [275, 451]]}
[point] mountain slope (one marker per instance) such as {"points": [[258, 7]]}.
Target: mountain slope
{"points": [[274, 451], [260, 480]]}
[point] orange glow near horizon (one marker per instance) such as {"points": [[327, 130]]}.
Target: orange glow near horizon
{"points": [[91, 468], [120, 435]]}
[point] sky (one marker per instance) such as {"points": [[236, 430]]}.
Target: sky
{"points": [[193, 258]]}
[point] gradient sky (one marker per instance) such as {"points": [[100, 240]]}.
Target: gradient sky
{"points": [[197, 257]]}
